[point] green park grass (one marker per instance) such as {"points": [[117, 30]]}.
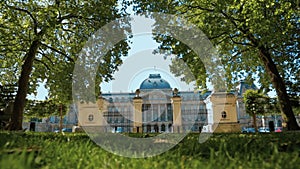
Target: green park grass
{"points": [[77, 150]]}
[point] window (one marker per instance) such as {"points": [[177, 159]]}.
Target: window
{"points": [[110, 109], [163, 127], [163, 115], [224, 115], [91, 117]]}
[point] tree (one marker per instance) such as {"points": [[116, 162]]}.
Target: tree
{"points": [[254, 39], [40, 40], [255, 104]]}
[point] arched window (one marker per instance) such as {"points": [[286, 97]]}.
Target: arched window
{"points": [[224, 115], [170, 127], [91, 117], [148, 128], [279, 123], [163, 127]]}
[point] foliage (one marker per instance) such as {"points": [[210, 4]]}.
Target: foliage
{"points": [[46, 108], [255, 102], [230, 25], [272, 106], [295, 101], [7, 94], [66, 25], [255, 39], [40, 41], [39, 150]]}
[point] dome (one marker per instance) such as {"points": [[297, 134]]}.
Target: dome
{"points": [[155, 82]]}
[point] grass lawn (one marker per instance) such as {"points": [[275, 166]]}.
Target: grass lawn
{"points": [[76, 150]]}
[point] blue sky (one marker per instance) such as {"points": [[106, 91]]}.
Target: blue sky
{"points": [[141, 62]]}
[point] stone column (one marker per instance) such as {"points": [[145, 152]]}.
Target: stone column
{"points": [[224, 112], [177, 122], [137, 115], [90, 117]]}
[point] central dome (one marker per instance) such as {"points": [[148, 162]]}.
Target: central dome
{"points": [[155, 82]]}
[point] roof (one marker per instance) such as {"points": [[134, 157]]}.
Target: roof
{"points": [[154, 81], [243, 86]]}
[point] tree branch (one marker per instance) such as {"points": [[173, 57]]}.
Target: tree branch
{"points": [[232, 20], [27, 12], [42, 63], [220, 41], [217, 36], [71, 16], [44, 55], [239, 53], [241, 8], [239, 43], [58, 51], [61, 18], [67, 30], [199, 7]]}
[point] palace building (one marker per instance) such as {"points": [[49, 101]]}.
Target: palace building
{"points": [[157, 107]]}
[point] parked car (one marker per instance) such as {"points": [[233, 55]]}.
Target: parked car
{"points": [[264, 130], [248, 130], [278, 129], [64, 130], [119, 130]]}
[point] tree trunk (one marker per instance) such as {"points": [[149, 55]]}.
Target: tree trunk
{"points": [[20, 99], [61, 118], [254, 122], [280, 88]]}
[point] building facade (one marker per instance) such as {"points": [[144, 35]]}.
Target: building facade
{"points": [[156, 107]]}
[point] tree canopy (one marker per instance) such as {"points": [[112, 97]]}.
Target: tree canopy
{"points": [[45, 108], [40, 40], [255, 40]]}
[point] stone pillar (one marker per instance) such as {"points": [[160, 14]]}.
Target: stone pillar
{"points": [[89, 116], [103, 108], [177, 122], [224, 112], [137, 115]]}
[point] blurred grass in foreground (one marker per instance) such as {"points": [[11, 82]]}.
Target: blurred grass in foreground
{"points": [[76, 150]]}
